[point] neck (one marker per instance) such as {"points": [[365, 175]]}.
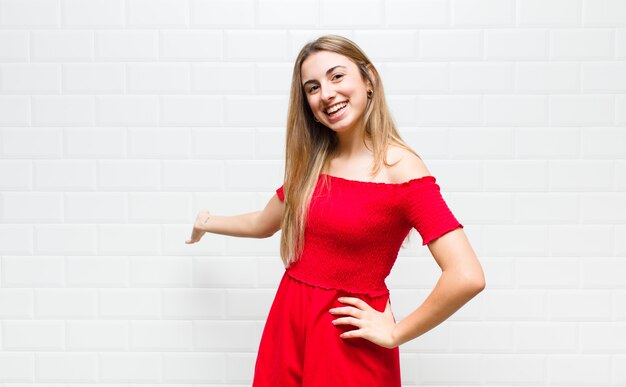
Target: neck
{"points": [[351, 143]]}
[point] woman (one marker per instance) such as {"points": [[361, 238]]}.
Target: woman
{"points": [[331, 322]]}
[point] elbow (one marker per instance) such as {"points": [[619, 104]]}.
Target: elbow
{"points": [[474, 278], [479, 284], [472, 288], [473, 282], [476, 282]]}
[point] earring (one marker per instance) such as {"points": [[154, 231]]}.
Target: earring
{"points": [[316, 120], [369, 94]]}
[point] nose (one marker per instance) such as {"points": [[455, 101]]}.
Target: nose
{"points": [[328, 93]]}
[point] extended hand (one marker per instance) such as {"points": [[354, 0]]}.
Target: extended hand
{"points": [[198, 227], [373, 325]]}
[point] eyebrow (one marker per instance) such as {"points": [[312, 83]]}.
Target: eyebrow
{"points": [[330, 70]]}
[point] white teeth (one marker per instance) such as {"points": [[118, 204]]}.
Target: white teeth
{"points": [[336, 107]]}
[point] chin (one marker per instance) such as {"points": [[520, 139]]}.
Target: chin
{"points": [[342, 129], [344, 125]]}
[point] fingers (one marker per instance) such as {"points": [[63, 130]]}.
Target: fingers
{"points": [[347, 310], [348, 321], [356, 302], [357, 310], [370, 324], [195, 237]]}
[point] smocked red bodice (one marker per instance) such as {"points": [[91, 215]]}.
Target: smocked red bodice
{"points": [[354, 230]]}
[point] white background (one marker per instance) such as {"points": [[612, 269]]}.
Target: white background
{"points": [[121, 119]]}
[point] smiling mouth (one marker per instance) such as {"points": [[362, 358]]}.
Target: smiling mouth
{"points": [[334, 110]]}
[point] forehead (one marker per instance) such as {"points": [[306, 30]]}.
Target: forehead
{"points": [[316, 64]]}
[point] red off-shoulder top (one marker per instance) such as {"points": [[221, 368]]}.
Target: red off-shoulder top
{"points": [[354, 230]]}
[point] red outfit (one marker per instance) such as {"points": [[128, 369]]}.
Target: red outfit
{"points": [[353, 233]]}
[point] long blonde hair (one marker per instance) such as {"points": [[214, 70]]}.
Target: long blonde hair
{"points": [[309, 144]]}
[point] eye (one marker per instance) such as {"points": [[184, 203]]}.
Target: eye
{"points": [[311, 89], [338, 75]]}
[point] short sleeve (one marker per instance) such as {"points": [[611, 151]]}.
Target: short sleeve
{"points": [[281, 193], [426, 209]]}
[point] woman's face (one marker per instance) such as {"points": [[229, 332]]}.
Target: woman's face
{"points": [[334, 89]]}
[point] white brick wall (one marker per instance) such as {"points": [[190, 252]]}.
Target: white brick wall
{"points": [[120, 119]]}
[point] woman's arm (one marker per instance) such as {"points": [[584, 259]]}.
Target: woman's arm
{"points": [[461, 279], [258, 224]]}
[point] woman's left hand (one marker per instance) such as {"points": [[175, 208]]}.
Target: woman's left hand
{"points": [[373, 325]]}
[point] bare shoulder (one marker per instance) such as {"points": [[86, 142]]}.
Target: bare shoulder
{"points": [[409, 166]]}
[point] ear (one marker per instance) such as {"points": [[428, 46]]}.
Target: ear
{"points": [[370, 70]]}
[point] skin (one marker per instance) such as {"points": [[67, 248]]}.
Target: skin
{"points": [[342, 84], [462, 277]]}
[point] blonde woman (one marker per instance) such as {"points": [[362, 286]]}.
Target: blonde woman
{"points": [[352, 192]]}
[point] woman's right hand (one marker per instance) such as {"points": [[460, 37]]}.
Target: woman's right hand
{"points": [[198, 227]]}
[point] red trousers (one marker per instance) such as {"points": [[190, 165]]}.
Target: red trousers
{"points": [[301, 347]]}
